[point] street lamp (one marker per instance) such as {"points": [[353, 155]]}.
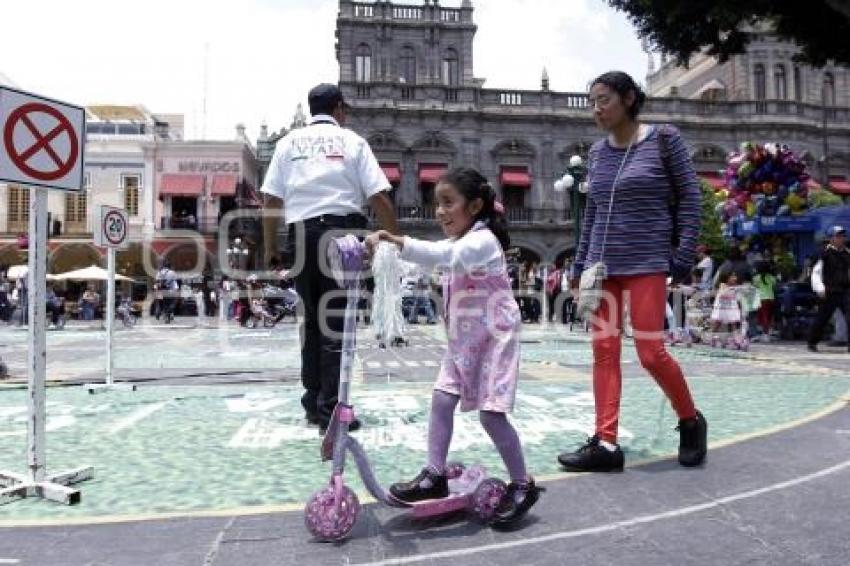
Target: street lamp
{"points": [[574, 181]]}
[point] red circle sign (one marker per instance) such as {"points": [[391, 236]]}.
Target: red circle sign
{"points": [[114, 228], [21, 156]]}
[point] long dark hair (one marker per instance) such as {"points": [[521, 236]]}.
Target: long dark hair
{"points": [[622, 83], [472, 185]]}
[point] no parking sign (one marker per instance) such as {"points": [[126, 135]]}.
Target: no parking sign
{"points": [[41, 141], [113, 228]]}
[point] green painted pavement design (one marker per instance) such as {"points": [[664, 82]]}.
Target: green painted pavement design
{"points": [[170, 449]]}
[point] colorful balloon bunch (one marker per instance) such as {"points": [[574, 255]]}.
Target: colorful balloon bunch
{"points": [[766, 180]]}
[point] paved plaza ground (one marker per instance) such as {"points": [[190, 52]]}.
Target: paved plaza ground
{"points": [[210, 461]]}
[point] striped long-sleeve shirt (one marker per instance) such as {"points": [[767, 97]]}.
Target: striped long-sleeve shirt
{"points": [[639, 235]]}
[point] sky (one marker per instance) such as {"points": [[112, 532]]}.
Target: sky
{"points": [[256, 59]]}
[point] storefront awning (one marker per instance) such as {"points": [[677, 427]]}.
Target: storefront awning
{"points": [[839, 185], [224, 185], [812, 184], [431, 172], [392, 171], [713, 179], [515, 177], [181, 185]]}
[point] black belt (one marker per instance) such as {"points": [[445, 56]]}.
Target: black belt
{"points": [[333, 221]]}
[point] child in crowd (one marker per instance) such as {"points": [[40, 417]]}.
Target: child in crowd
{"points": [[726, 314], [481, 364]]}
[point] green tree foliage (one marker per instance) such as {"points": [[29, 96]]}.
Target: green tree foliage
{"points": [[820, 28], [711, 231]]}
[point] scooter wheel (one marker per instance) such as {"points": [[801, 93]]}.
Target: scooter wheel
{"points": [[454, 470], [325, 520], [486, 498]]}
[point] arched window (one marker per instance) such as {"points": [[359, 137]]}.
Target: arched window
{"points": [[363, 63], [828, 89], [759, 82], [798, 85], [451, 68], [407, 65], [780, 84]]}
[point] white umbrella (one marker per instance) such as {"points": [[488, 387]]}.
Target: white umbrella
{"points": [[21, 271], [91, 273]]}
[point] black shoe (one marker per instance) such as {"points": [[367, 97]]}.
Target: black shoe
{"points": [[812, 347], [593, 457], [426, 485], [352, 426], [693, 440], [516, 502]]}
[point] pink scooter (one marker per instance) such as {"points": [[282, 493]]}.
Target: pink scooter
{"points": [[331, 512]]}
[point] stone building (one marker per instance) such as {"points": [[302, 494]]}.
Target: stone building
{"points": [[407, 70]]}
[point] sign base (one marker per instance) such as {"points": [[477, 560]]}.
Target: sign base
{"points": [[54, 487], [104, 387]]}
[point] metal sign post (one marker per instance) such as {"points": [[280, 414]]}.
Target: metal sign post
{"points": [[112, 235], [41, 144], [37, 483]]}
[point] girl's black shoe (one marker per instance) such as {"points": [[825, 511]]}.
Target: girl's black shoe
{"points": [[426, 485], [516, 502]]}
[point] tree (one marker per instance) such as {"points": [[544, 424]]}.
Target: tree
{"points": [[723, 28], [711, 231]]}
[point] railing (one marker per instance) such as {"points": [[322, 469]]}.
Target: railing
{"points": [[515, 215], [203, 225], [383, 94]]}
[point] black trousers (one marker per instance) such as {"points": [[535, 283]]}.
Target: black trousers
{"points": [[321, 332], [826, 308]]}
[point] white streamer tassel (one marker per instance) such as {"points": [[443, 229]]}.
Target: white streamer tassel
{"points": [[387, 320]]}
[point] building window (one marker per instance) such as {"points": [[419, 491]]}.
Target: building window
{"points": [[407, 66], [759, 82], [511, 98], [362, 11], [75, 206], [363, 64], [828, 89], [780, 85], [130, 184], [19, 204], [451, 68], [407, 13], [798, 85]]}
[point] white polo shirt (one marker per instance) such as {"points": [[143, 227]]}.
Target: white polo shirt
{"points": [[323, 168]]}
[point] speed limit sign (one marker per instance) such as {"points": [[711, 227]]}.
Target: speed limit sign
{"points": [[114, 228]]}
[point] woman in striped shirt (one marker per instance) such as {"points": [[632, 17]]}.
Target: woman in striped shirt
{"points": [[645, 238]]}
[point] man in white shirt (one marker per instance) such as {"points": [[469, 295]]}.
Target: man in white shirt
{"points": [[321, 177]]}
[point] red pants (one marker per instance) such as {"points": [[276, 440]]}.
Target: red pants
{"points": [[765, 315], [646, 296]]}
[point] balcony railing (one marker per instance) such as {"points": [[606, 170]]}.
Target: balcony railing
{"points": [[203, 225], [515, 215], [384, 94]]}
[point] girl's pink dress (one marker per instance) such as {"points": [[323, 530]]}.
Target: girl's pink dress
{"points": [[481, 363]]}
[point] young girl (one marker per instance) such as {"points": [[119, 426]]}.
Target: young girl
{"points": [[726, 314], [481, 365]]}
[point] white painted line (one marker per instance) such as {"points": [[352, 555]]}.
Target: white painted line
{"points": [[373, 364], [430, 363], [137, 416], [9, 561], [392, 364], [643, 519], [412, 364]]}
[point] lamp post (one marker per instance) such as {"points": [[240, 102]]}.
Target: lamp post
{"points": [[574, 181]]}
